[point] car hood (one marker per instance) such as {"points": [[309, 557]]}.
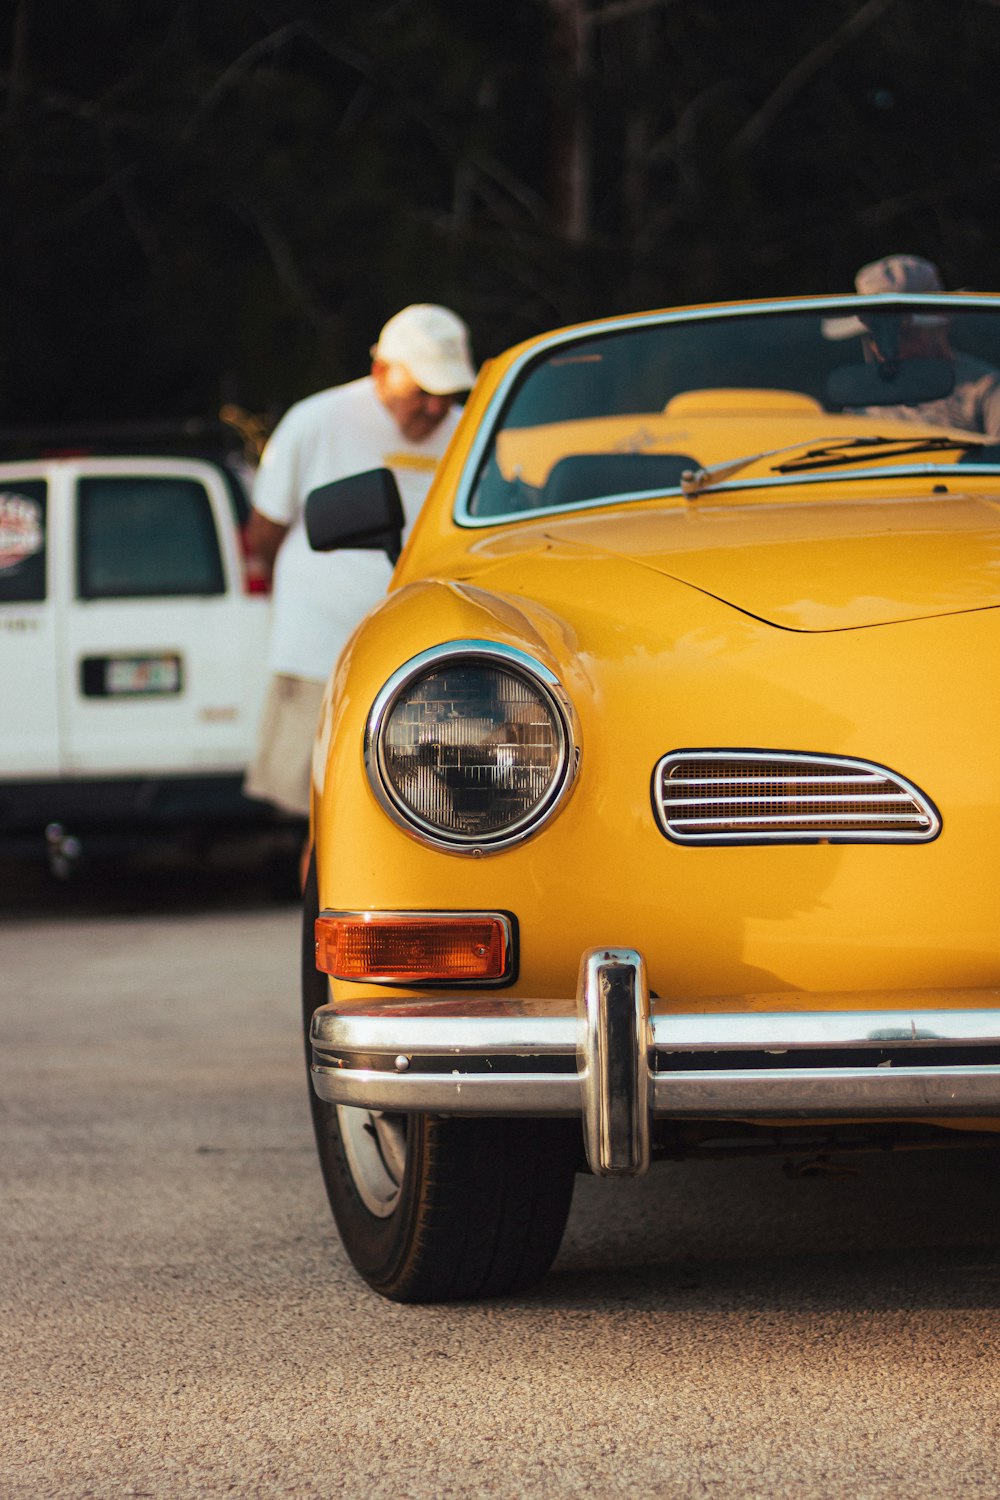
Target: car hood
{"points": [[812, 566]]}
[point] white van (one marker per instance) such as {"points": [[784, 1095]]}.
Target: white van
{"points": [[132, 649]]}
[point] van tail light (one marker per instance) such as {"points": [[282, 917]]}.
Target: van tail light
{"points": [[415, 947], [256, 574]]}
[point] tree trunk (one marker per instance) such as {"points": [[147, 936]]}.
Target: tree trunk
{"points": [[570, 151]]}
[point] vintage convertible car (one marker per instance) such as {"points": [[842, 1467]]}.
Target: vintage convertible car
{"points": [[656, 809]]}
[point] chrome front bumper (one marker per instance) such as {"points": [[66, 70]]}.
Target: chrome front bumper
{"points": [[617, 1066]]}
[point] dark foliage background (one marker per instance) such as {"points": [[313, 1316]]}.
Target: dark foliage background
{"points": [[212, 200]]}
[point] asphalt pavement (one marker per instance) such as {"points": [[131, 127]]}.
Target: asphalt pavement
{"points": [[179, 1319]]}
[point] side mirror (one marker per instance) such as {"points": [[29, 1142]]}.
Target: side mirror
{"points": [[363, 510]]}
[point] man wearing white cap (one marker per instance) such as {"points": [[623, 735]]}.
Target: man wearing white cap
{"points": [[974, 402], [401, 417]]}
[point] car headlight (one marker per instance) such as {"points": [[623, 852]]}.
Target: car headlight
{"points": [[470, 745]]}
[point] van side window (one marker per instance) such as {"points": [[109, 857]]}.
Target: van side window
{"points": [[23, 542], [142, 535]]}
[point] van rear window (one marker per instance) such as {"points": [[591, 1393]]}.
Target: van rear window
{"points": [[146, 535], [22, 541]]}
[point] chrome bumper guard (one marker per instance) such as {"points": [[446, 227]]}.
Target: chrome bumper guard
{"points": [[617, 1066]]}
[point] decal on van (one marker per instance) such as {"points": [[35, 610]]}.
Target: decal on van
{"points": [[22, 530], [23, 543]]}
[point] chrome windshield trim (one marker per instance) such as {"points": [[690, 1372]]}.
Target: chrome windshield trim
{"points": [[474, 650], [968, 472], [847, 303]]}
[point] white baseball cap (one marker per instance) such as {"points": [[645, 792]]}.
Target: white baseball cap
{"points": [[893, 273], [433, 343]]}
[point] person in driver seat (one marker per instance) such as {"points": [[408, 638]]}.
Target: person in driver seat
{"points": [[973, 405]]}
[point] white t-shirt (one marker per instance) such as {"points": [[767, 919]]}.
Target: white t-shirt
{"points": [[319, 597]]}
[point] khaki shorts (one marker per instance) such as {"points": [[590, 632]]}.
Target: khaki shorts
{"points": [[280, 769]]}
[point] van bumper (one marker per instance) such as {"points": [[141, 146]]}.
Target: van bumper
{"points": [[132, 803]]}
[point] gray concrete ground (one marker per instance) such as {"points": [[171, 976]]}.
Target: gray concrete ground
{"points": [[179, 1319]]}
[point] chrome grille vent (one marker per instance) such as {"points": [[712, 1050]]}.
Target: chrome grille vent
{"points": [[773, 797]]}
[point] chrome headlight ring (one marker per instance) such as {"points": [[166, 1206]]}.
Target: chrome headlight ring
{"points": [[405, 729]]}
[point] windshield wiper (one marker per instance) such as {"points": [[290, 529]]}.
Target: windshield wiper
{"points": [[829, 453], [818, 458]]}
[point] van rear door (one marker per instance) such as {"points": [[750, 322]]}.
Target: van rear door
{"points": [[162, 671], [29, 743]]}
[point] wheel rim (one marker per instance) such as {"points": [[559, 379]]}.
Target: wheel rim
{"points": [[375, 1147]]}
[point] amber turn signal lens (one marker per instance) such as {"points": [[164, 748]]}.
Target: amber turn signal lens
{"points": [[406, 949]]}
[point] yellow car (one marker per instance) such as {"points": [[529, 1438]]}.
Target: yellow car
{"points": [[656, 810]]}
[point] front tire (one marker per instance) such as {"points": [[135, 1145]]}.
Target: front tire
{"points": [[432, 1209]]}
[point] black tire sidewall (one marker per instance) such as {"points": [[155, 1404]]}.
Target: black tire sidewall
{"points": [[377, 1247], [482, 1202]]}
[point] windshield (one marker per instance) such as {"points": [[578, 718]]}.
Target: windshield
{"points": [[639, 409]]}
